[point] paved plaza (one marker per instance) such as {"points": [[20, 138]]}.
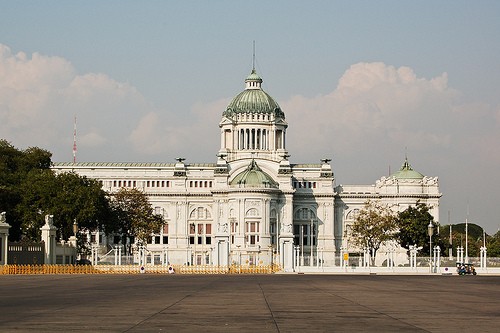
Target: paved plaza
{"points": [[249, 303]]}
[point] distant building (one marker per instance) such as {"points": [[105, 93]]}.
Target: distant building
{"points": [[252, 205]]}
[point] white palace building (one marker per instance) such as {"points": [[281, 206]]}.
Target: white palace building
{"points": [[252, 206]]}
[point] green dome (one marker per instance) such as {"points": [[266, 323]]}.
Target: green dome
{"points": [[253, 100], [407, 172], [253, 176], [254, 77]]}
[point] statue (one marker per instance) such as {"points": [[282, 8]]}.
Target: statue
{"points": [[222, 227], [49, 220], [3, 219]]}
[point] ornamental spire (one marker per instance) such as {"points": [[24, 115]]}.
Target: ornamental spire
{"points": [[253, 81], [253, 59]]}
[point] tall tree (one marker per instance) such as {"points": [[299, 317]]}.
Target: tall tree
{"points": [[374, 225], [493, 245], [136, 215], [15, 166], [67, 196], [29, 190], [83, 200], [413, 225]]}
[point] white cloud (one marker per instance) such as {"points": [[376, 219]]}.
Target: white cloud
{"points": [[40, 95], [373, 103], [158, 133], [91, 139]]}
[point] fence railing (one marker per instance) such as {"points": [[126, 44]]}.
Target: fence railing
{"points": [[492, 262], [136, 269]]}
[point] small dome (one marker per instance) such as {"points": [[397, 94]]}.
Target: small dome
{"points": [[253, 99], [407, 172], [253, 176], [254, 77]]}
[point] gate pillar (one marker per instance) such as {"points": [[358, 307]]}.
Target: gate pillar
{"points": [[4, 238], [49, 238]]}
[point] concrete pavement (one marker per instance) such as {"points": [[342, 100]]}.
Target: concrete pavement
{"points": [[249, 303]]}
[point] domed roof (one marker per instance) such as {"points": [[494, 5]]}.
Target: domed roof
{"points": [[254, 77], [253, 99], [253, 176], [407, 172]]}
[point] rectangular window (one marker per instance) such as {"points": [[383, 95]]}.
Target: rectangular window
{"points": [[165, 239], [252, 233]]}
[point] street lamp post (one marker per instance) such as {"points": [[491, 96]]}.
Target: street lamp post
{"points": [[430, 231], [73, 240]]}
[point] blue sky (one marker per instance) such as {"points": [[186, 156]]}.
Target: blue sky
{"points": [[360, 81]]}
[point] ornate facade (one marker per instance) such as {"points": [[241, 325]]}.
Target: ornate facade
{"points": [[252, 206]]}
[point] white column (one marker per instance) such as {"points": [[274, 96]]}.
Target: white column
{"points": [[49, 238], [483, 257], [273, 139], [223, 138], [266, 139], [4, 238]]}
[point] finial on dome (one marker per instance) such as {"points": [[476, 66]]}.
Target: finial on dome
{"points": [[253, 59]]}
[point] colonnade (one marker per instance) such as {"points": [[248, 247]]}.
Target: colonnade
{"points": [[254, 139]]}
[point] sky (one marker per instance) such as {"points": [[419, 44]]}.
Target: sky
{"points": [[365, 83]]}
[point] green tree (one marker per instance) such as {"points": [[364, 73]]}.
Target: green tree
{"points": [[374, 225], [83, 200], [413, 225], [474, 237], [15, 166], [67, 196], [493, 245], [135, 214], [37, 192], [29, 190]]}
